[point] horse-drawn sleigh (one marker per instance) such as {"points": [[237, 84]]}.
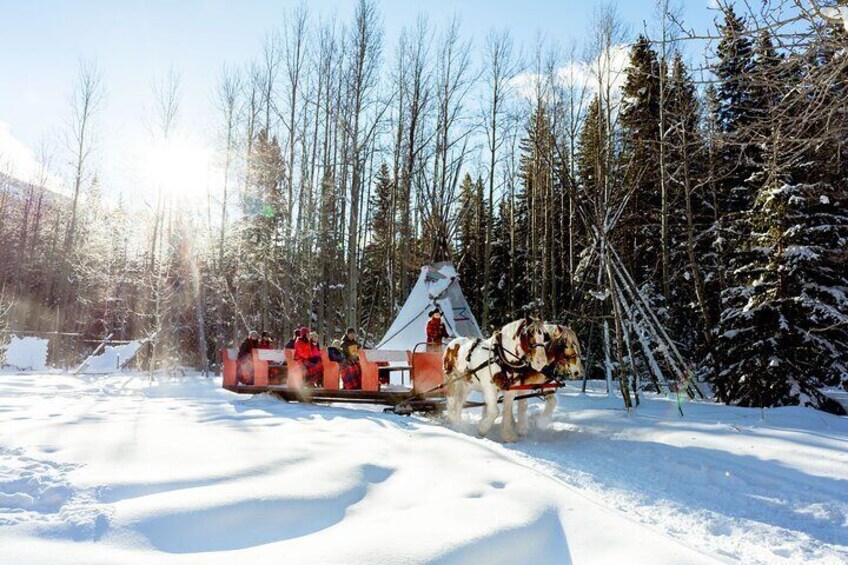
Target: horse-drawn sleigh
{"points": [[526, 358]]}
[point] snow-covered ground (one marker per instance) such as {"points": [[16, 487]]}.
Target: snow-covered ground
{"points": [[119, 469]]}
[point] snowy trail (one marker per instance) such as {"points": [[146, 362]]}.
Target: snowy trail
{"points": [[121, 470], [721, 479]]}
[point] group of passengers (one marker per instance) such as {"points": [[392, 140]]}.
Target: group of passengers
{"points": [[307, 351]]}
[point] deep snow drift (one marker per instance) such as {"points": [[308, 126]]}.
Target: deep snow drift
{"points": [[119, 469], [26, 353]]}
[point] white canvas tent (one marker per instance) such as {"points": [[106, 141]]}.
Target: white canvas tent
{"points": [[437, 285]]}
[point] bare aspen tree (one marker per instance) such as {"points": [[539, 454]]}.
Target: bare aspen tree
{"points": [[608, 35], [663, 8], [500, 67], [365, 46], [324, 67], [571, 87], [229, 88], [398, 122], [294, 53], [166, 98], [86, 102], [418, 89], [453, 82]]}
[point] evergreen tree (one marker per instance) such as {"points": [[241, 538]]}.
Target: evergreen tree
{"points": [[502, 286], [825, 68], [784, 335], [695, 292], [734, 113], [539, 201], [640, 133], [377, 262], [770, 80], [471, 240], [264, 209], [592, 153]]}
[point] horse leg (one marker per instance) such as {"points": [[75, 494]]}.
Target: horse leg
{"points": [[490, 396], [523, 426], [456, 398], [459, 401], [547, 414], [450, 400], [508, 430]]}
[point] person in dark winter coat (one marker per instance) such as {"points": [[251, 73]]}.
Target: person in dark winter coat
{"points": [[351, 370], [244, 359], [265, 341], [350, 347], [334, 352], [290, 343], [435, 331]]}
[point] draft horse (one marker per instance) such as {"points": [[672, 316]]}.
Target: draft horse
{"points": [[490, 366], [526, 352]]}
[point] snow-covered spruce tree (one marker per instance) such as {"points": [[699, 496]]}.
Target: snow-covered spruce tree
{"points": [[541, 202], [377, 261], [783, 335], [639, 227], [693, 257], [734, 112], [264, 207], [500, 292], [472, 240]]}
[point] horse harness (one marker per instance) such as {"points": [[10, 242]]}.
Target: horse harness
{"points": [[498, 355]]}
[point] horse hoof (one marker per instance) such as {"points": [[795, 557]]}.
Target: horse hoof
{"points": [[523, 431], [512, 438]]}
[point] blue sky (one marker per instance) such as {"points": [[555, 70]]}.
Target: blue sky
{"points": [[135, 41]]}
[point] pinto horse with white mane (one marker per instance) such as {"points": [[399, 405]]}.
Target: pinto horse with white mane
{"points": [[531, 359], [491, 366]]}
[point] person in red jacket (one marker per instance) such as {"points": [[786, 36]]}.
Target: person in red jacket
{"points": [[309, 354], [435, 331]]}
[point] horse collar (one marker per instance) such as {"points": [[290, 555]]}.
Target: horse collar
{"points": [[501, 353], [520, 329]]}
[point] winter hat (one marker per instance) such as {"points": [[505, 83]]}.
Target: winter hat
{"points": [[253, 334], [336, 343], [313, 336], [304, 332]]}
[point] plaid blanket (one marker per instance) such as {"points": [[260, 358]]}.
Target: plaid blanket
{"points": [[352, 377], [245, 372], [314, 375]]}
